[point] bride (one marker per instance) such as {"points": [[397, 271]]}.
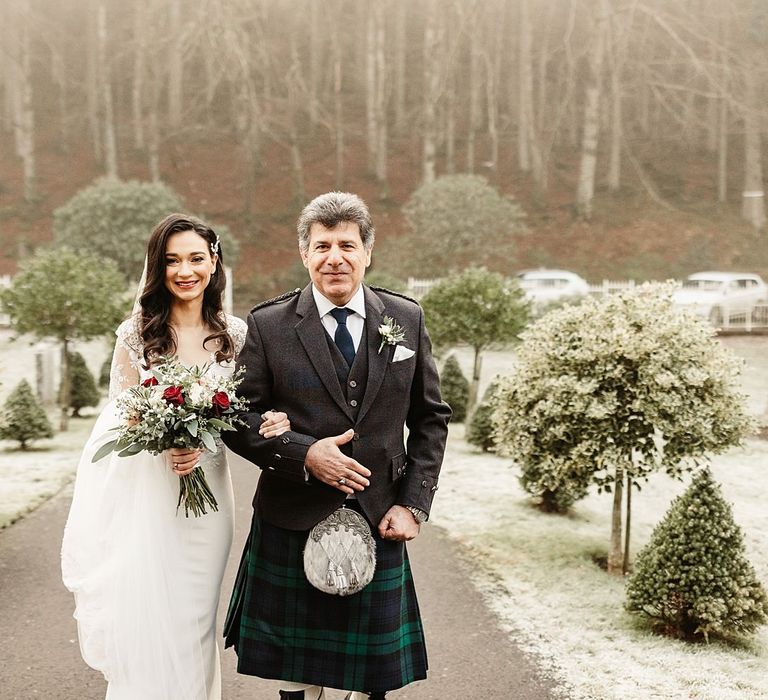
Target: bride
{"points": [[146, 579]]}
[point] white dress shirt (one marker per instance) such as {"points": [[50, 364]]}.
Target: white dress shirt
{"points": [[355, 320]]}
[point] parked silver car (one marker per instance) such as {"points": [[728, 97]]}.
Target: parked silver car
{"points": [[543, 286], [722, 297]]}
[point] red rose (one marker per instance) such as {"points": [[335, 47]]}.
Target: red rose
{"points": [[173, 395], [150, 381], [220, 402]]}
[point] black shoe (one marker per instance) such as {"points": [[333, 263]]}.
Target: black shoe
{"points": [[299, 695], [371, 696]]}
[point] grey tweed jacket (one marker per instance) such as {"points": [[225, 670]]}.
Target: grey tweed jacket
{"points": [[290, 367]]}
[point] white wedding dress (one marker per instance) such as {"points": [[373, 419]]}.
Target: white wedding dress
{"points": [[146, 579]]}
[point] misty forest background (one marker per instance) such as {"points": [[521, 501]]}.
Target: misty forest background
{"points": [[630, 133]]}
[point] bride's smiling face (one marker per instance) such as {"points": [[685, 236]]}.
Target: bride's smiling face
{"points": [[188, 265]]}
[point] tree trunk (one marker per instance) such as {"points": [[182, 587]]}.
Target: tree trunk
{"points": [[338, 105], [431, 92], [92, 92], [372, 126], [175, 64], [753, 196], [586, 184], [474, 92], [474, 385], [65, 389], [722, 152], [381, 101], [24, 118], [399, 76], [314, 62], [628, 526], [615, 554], [525, 88], [108, 117], [137, 93]]}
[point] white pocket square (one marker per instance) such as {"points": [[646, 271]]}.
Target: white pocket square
{"points": [[402, 353]]}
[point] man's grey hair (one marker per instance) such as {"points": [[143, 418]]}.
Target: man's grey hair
{"points": [[330, 210]]}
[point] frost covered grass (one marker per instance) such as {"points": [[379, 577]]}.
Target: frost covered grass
{"points": [[29, 477], [538, 572]]}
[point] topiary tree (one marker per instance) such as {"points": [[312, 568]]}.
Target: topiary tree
{"points": [[82, 386], [67, 296], [613, 389], [23, 418], [477, 308], [114, 218], [454, 388], [456, 221], [693, 579], [480, 427]]}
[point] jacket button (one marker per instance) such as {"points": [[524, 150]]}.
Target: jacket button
{"points": [[399, 470], [353, 384], [286, 440], [280, 457], [424, 484], [356, 436], [353, 403]]}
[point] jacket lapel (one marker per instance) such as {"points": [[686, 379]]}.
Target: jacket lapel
{"points": [[377, 361], [311, 334]]}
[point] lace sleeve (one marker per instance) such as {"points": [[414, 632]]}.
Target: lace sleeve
{"points": [[126, 360], [238, 329]]}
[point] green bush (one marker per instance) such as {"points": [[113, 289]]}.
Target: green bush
{"points": [[23, 418], [693, 579], [454, 388], [480, 427], [83, 390]]}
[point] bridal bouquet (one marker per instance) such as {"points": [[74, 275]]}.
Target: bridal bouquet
{"points": [[178, 407]]}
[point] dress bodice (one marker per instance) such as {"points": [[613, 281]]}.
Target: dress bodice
{"points": [[128, 360]]}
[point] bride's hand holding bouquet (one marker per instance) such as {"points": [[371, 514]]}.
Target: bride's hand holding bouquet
{"points": [[181, 411]]}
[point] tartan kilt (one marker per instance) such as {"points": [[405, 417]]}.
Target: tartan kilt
{"points": [[285, 629]]}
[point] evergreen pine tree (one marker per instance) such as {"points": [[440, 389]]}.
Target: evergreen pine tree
{"points": [[693, 579], [454, 388], [480, 425], [23, 418], [83, 391]]}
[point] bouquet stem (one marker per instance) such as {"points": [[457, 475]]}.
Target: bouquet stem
{"points": [[195, 494]]}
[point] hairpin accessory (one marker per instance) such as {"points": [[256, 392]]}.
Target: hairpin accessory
{"points": [[215, 246]]}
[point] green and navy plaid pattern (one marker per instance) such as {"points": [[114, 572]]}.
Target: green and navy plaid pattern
{"points": [[283, 628]]}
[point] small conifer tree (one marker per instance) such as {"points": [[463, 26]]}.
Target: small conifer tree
{"points": [[693, 579], [83, 391], [480, 427], [23, 418], [455, 389]]}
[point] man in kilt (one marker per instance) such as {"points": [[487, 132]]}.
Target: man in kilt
{"points": [[352, 366]]}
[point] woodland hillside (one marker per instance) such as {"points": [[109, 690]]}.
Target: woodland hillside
{"points": [[631, 133]]}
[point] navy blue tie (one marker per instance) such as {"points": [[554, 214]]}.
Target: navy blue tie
{"points": [[342, 337]]}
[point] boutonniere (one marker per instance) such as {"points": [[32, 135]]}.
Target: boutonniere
{"points": [[391, 333]]}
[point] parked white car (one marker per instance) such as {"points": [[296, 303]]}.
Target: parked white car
{"points": [[543, 286], [722, 296]]}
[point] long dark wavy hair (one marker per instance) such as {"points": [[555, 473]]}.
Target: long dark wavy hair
{"points": [[156, 332]]}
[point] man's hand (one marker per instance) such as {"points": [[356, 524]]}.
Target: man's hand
{"points": [[275, 423], [183, 460], [326, 462], [399, 525]]}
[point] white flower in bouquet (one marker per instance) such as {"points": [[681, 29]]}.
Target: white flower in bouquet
{"points": [[178, 407]]}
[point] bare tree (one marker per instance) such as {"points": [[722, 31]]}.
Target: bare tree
{"points": [[591, 124]]}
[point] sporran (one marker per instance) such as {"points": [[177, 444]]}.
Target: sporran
{"points": [[340, 554]]}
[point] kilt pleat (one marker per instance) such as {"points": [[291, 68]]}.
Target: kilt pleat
{"points": [[283, 628]]}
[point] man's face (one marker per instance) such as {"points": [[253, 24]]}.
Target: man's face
{"points": [[336, 260]]}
